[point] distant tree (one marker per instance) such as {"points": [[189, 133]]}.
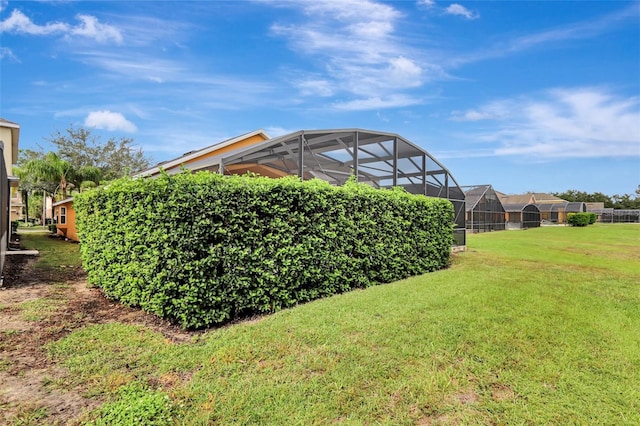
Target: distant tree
{"points": [[114, 158], [625, 201], [34, 207], [573, 195]]}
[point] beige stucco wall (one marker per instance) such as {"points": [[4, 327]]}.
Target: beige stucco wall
{"points": [[7, 138]]}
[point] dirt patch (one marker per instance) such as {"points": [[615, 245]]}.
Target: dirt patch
{"points": [[40, 306]]}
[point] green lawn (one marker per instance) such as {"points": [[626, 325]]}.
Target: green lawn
{"points": [[54, 252], [527, 327]]}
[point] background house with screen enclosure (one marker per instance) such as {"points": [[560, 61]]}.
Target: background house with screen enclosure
{"points": [[379, 159], [484, 211], [521, 216], [558, 212], [552, 209]]}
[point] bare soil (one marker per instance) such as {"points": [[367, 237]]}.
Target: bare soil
{"points": [[26, 372]]}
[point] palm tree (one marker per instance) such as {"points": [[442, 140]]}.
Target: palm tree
{"points": [[51, 173]]}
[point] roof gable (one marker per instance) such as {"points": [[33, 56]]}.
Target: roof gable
{"points": [[199, 156]]}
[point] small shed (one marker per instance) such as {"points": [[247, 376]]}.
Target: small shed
{"points": [[65, 217]]}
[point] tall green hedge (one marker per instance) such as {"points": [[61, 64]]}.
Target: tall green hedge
{"points": [[202, 249]]}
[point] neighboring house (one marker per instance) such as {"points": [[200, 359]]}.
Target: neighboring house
{"points": [[194, 160], [207, 158], [551, 208], [17, 206], [9, 138], [65, 217]]}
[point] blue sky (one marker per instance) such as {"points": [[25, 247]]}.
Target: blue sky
{"points": [[527, 96]]}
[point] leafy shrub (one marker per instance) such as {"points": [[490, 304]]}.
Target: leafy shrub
{"points": [[202, 249], [53, 228], [593, 217], [579, 219]]}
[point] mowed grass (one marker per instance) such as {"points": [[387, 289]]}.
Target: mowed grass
{"points": [[55, 253], [527, 327]]}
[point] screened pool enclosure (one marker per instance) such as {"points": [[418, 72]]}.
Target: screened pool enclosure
{"points": [[522, 216], [379, 159], [484, 211]]}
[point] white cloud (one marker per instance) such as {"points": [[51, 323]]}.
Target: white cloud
{"points": [[112, 121], [88, 27], [391, 101], [471, 115], [459, 10], [315, 87], [275, 131], [404, 72], [19, 23], [582, 122], [492, 111], [356, 48], [426, 3], [6, 53]]}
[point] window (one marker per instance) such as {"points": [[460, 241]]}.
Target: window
{"points": [[62, 216]]}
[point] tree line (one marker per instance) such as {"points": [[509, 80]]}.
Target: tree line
{"points": [[80, 160], [624, 201]]}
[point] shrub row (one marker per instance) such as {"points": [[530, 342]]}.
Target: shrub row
{"points": [[202, 249], [581, 219]]}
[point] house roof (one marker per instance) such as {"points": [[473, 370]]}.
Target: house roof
{"points": [[518, 207], [515, 199], [530, 197], [192, 155], [541, 197], [65, 201]]}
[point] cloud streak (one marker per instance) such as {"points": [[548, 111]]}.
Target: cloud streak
{"points": [[88, 27], [358, 51], [575, 31], [459, 10], [562, 123]]}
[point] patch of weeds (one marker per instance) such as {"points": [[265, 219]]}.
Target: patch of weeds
{"points": [[4, 364], [30, 415], [38, 309], [135, 404]]}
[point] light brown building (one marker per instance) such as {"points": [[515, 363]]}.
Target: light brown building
{"points": [[65, 217], [9, 137]]}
